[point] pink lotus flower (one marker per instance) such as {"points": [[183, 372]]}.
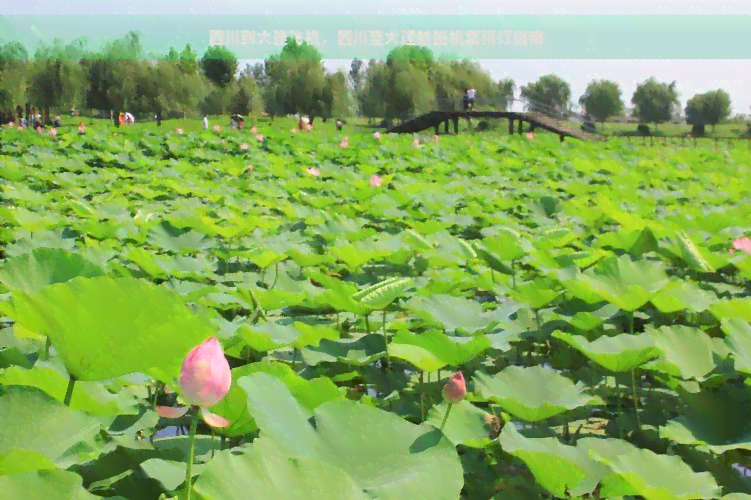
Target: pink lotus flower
{"points": [[377, 135], [530, 135], [293, 130], [53, 132], [81, 128], [180, 131], [741, 244], [416, 142], [455, 389], [314, 171], [375, 181], [217, 128], [308, 127], [10, 124], [259, 137], [39, 129], [205, 379], [436, 138], [254, 129], [344, 144], [243, 146]]}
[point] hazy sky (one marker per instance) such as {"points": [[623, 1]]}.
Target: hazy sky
{"points": [[693, 76]]}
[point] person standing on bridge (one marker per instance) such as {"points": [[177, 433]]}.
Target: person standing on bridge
{"points": [[470, 98]]}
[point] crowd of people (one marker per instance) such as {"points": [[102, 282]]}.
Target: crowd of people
{"points": [[305, 123]]}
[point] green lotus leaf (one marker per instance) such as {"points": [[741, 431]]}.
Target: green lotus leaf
{"points": [[177, 240], [32, 271], [456, 313], [308, 393], [624, 282], [678, 296], [739, 341], [533, 393], [106, 327], [41, 427], [716, 420], [45, 485], [271, 474], [380, 295], [686, 352], [433, 350], [273, 335], [621, 353], [91, 397], [393, 460], [358, 352], [732, 308], [466, 424], [556, 467], [654, 476]]}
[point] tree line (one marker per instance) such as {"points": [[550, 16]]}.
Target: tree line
{"points": [[412, 80]]}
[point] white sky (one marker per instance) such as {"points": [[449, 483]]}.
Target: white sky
{"points": [[693, 76]]}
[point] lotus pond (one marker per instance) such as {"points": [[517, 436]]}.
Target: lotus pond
{"points": [[594, 296]]}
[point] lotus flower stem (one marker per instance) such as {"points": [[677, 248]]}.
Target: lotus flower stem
{"points": [[223, 443], [155, 395], [69, 391], [636, 399], [633, 375], [276, 276], [256, 305], [620, 404], [367, 324], [386, 340], [422, 396], [47, 346], [191, 454], [446, 416]]}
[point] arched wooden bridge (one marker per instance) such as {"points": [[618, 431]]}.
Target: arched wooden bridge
{"points": [[520, 110], [535, 120]]}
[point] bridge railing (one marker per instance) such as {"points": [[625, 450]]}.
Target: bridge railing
{"points": [[529, 105], [523, 104], [551, 111]]}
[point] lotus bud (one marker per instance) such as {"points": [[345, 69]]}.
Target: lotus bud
{"points": [[742, 244], [455, 389], [205, 375], [205, 379]]}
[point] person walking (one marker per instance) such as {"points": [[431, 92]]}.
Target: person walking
{"points": [[205, 122]]}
